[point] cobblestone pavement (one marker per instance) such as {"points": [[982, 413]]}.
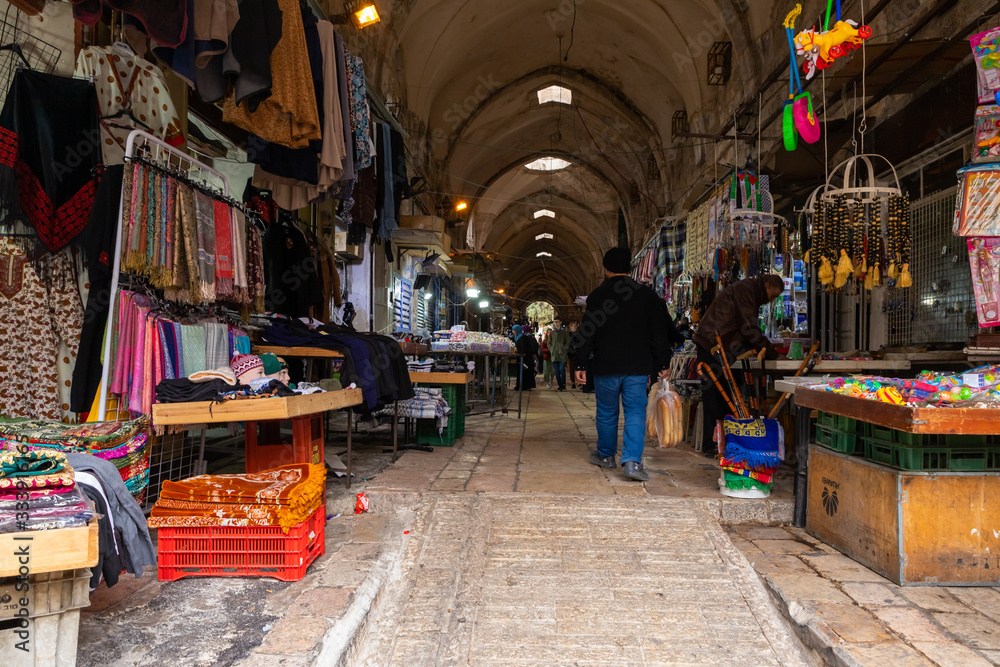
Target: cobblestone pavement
{"points": [[853, 616], [573, 580]]}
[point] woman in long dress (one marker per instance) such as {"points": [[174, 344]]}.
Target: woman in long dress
{"points": [[527, 347]]}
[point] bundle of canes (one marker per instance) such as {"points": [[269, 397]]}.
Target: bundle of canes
{"points": [[706, 372], [753, 396], [742, 412]]}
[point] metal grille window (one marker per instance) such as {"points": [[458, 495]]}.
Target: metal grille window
{"points": [[402, 304], [933, 310]]}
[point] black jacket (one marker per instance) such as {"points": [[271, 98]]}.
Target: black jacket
{"points": [[625, 328], [735, 315]]}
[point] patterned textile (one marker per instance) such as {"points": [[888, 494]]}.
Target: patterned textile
{"points": [[35, 315], [124, 81], [93, 435], [193, 343], [672, 243], [57, 480], [359, 112], [288, 494], [30, 464], [754, 443]]}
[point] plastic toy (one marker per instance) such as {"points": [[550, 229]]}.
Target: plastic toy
{"points": [[798, 118], [821, 49], [986, 54]]}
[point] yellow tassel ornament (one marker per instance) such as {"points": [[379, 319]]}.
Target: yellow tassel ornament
{"points": [[876, 276], [905, 279], [805, 257], [825, 271], [845, 267], [893, 271]]}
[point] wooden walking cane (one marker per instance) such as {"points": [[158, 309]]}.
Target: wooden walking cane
{"points": [[728, 372], [704, 368], [807, 365], [752, 395]]}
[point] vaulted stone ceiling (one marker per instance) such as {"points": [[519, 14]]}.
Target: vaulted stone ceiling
{"points": [[468, 72]]}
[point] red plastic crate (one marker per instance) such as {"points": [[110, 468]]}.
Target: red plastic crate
{"points": [[244, 551]]}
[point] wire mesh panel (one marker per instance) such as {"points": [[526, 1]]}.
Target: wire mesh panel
{"points": [[22, 50], [933, 310], [172, 457]]}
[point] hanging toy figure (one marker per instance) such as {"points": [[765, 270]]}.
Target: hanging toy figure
{"points": [[822, 48]]}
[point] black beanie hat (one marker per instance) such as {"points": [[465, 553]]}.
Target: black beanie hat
{"points": [[618, 260]]}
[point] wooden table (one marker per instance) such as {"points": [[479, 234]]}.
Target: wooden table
{"points": [[305, 412], [841, 365], [322, 353], [417, 377]]}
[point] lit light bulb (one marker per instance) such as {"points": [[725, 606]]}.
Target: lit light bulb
{"points": [[472, 292], [484, 304]]}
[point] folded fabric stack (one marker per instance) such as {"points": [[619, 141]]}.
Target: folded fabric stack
{"points": [[284, 496], [123, 443], [429, 403], [38, 491], [420, 366], [754, 450]]}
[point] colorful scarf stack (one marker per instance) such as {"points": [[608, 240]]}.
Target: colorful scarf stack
{"points": [[754, 450], [53, 501], [123, 443], [284, 496]]}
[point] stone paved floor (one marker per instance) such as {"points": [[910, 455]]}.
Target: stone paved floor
{"points": [[573, 580], [523, 553], [547, 452], [856, 616]]}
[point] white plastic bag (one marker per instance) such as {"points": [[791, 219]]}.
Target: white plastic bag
{"points": [[664, 415]]}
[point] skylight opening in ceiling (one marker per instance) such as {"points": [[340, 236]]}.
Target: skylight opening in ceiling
{"points": [[555, 94], [543, 254], [547, 164], [544, 235], [544, 213]]}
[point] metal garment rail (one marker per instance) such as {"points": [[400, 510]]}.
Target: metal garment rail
{"points": [[165, 154]]}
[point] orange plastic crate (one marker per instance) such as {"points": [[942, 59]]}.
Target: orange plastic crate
{"points": [[245, 551]]}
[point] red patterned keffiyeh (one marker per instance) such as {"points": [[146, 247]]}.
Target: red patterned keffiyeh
{"points": [[49, 148]]}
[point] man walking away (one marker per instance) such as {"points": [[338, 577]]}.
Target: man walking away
{"points": [[735, 316], [623, 327], [559, 349], [572, 355]]}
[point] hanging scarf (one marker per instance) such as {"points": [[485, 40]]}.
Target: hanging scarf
{"points": [[185, 285], [49, 148], [255, 268], [223, 249], [205, 216], [239, 230]]}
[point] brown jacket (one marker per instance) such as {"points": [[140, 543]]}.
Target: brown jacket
{"points": [[735, 315]]}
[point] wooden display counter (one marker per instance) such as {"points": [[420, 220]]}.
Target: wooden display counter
{"points": [[417, 377], [970, 421], [49, 550], [914, 528]]}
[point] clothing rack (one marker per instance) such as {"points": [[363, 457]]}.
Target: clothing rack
{"points": [[171, 158]]}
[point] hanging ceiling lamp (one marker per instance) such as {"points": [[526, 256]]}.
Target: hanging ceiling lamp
{"points": [[362, 13]]}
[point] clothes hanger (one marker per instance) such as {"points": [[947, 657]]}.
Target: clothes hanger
{"points": [[15, 48]]}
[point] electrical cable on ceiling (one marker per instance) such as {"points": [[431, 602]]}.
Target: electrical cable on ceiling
{"points": [[572, 29]]}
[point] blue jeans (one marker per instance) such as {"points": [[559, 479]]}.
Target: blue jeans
{"points": [[632, 391], [559, 367]]}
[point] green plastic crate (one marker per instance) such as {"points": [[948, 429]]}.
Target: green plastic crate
{"points": [[839, 441], [913, 439], [928, 459], [427, 433], [838, 422], [950, 440]]}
